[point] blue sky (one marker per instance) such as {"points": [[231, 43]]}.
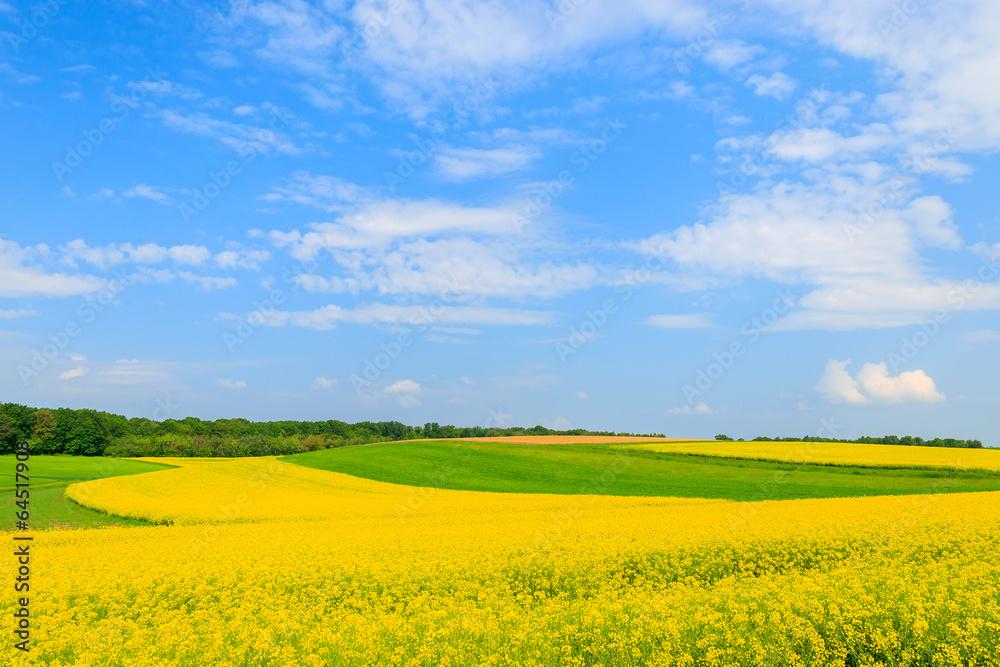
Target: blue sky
{"points": [[684, 217]]}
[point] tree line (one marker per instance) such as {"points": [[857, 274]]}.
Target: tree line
{"points": [[94, 433], [906, 440]]}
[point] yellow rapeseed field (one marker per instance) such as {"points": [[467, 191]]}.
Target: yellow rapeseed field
{"points": [[835, 453], [267, 563]]}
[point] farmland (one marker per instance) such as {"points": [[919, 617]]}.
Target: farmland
{"points": [[50, 475], [834, 454], [685, 469], [261, 561]]}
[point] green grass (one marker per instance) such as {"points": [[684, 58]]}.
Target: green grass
{"points": [[567, 469], [49, 477]]}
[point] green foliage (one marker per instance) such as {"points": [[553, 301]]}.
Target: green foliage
{"points": [[604, 470], [906, 440], [94, 433]]}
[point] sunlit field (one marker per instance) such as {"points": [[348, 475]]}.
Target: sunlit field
{"points": [[265, 562], [835, 453]]}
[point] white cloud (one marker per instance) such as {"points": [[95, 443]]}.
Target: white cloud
{"points": [[779, 85], [462, 164], [329, 193], [873, 385], [77, 372], [189, 254], [406, 392], [403, 387], [329, 316], [727, 54], [837, 385], [699, 409], [114, 254], [20, 276], [389, 246], [684, 321], [9, 314], [231, 384], [207, 283], [981, 336], [378, 223], [147, 192], [582, 395], [935, 59], [244, 139], [323, 383], [430, 50], [560, 423], [862, 271], [243, 258]]}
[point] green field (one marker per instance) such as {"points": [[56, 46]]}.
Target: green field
{"points": [[49, 477], [599, 469]]}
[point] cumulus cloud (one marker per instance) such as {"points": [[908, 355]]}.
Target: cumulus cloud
{"points": [[21, 275], [406, 392], [874, 385], [231, 384], [323, 383], [403, 387], [837, 385]]}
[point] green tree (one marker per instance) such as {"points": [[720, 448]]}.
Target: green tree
{"points": [[44, 430], [8, 434]]}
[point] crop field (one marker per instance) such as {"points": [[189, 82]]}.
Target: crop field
{"points": [[50, 475], [667, 470], [835, 453], [266, 562]]}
